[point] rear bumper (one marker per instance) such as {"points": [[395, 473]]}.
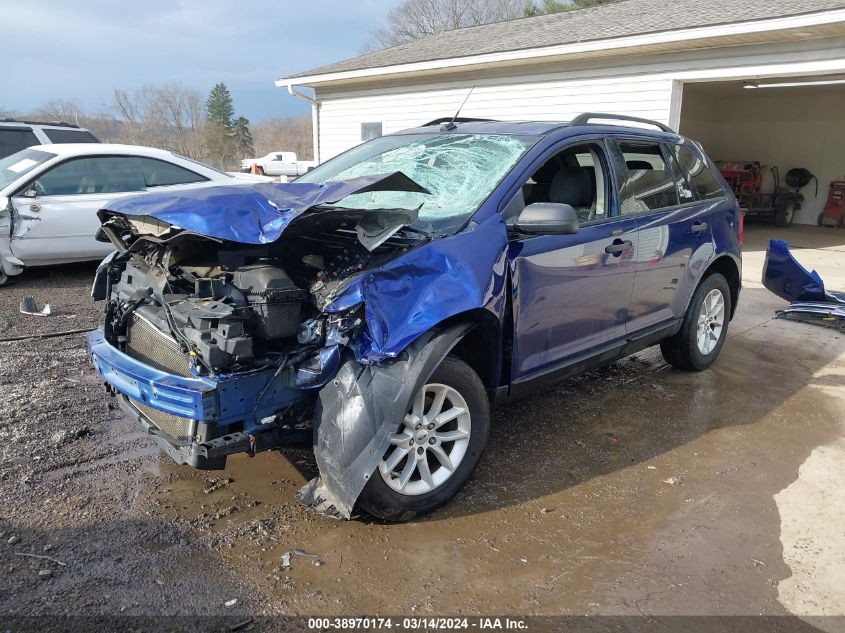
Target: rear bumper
{"points": [[219, 415]]}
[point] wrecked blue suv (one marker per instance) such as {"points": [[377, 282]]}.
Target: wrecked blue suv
{"points": [[386, 300]]}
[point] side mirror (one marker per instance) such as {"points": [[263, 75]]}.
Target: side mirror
{"points": [[546, 218], [30, 193]]}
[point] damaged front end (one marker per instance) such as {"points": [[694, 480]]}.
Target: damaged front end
{"points": [[809, 300], [229, 310]]}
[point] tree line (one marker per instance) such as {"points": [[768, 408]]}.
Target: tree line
{"points": [[413, 19], [179, 118]]}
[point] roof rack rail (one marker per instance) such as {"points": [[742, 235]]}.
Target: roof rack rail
{"points": [[584, 119], [27, 122], [459, 119]]}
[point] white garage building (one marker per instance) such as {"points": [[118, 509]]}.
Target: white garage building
{"points": [[753, 80]]}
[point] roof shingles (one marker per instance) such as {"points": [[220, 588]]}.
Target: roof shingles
{"points": [[626, 18]]}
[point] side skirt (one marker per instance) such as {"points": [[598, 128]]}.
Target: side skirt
{"points": [[578, 365]]}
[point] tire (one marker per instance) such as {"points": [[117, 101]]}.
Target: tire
{"points": [[394, 502], [683, 350], [784, 215], [260, 171]]}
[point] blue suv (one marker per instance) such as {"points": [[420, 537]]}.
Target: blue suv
{"points": [[381, 304]]}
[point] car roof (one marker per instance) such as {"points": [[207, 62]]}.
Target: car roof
{"points": [[536, 128], [25, 123], [99, 149]]}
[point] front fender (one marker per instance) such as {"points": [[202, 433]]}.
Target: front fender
{"points": [[358, 410], [413, 293]]}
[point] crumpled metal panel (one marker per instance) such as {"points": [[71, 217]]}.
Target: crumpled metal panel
{"points": [[249, 214], [788, 279], [809, 301], [413, 293], [357, 412]]}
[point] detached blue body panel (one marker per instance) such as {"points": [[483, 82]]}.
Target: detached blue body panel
{"points": [[788, 279], [218, 399]]}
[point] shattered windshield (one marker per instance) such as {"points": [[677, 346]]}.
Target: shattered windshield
{"points": [[460, 171]]}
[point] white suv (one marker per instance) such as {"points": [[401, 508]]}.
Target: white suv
{"points": [[18, 135]]}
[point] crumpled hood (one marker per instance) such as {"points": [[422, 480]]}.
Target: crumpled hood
{"points": [[249, 214]]}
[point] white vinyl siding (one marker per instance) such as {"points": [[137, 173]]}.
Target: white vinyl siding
{"points": [[341, 117], [644, 86]]}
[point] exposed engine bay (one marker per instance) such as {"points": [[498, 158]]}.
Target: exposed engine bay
{"points": [[235, 307]]}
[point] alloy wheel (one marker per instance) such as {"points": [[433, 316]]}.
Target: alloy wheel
{"points": [[430, 443], [711, 321]]}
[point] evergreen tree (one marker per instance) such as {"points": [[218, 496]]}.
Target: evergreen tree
{"points": [[242, 138], [219, 130], [219, 106]]}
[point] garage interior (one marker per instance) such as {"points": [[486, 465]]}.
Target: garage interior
{"points": [[800, 125]]}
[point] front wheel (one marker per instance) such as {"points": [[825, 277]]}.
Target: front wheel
{"points": [[434, 449], [704, 329]]}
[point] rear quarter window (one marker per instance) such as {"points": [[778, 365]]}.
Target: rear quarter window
{"points": [[14, 139], [647, 181], [158, 173], [701, 179], [69, 136]]}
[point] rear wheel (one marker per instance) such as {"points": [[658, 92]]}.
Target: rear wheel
{"points": [[784, 214], [434, 449], [705, 327]]}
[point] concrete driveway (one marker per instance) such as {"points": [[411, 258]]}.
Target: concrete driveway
{"points": [[633, 490]]}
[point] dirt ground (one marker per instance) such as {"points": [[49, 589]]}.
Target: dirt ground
{"points": [[631, 490]]}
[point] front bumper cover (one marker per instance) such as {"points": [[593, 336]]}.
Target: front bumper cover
{"points": [[214, 404]]}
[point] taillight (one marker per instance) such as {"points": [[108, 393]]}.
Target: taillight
{"points": [[741, 233]]}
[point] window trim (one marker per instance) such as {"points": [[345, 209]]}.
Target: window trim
{"points": [[692, 147], [615, 143], [611, 198]]}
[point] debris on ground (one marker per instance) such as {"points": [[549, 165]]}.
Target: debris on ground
{"points": [[50, 558], [28, 306], [809, 301], [231, 603], [672, 481]]}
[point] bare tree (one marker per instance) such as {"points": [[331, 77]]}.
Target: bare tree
{"points": [[291, 134], [414, 19], [169, 116], [60, 110]]}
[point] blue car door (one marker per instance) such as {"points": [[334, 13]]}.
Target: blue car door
{"points": [[674, 226], [571, 292]]}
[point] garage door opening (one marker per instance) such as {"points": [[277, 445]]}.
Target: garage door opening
{"points": [[783, 128]]}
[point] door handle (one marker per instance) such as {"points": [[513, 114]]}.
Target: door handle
{"points": [[617, 248], [698, 226]]}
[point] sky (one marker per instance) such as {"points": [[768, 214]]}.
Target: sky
{"points": [[82, 50]]}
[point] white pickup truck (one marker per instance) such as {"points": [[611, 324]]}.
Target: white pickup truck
{"points": [[279, 164]]}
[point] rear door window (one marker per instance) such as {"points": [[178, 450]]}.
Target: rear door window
{"points": [[645, 178], [14, 139], [159, 173], [58, 135], [701, 179], [104, 174]]}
